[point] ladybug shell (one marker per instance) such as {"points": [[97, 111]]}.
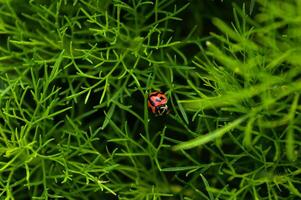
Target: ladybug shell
{"points": [[156, 100]]}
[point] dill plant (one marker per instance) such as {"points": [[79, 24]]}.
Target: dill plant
{"points": [[74, 80]]}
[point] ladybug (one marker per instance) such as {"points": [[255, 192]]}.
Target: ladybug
{"points": [[156, 103]]}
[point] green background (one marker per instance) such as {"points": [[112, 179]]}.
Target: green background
{"points": [[74, 80]]}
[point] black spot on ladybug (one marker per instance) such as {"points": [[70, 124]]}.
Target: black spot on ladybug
{"points": [[158, 99]]}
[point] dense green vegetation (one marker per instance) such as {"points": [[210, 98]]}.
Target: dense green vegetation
{"points": [[74, 81]]}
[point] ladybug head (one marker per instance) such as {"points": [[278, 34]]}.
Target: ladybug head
{"points": [[161, 110]]}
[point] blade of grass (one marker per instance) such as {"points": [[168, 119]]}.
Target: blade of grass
{"points": [[203, 139]]}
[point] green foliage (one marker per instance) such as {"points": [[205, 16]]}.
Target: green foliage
{"points": [[74, 80]]}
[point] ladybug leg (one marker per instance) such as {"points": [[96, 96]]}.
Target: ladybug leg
{"points": [[168, 111], [153, 109], [157, 111]]}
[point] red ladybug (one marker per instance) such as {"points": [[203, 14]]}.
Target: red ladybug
{"points": [[157, 103]]}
